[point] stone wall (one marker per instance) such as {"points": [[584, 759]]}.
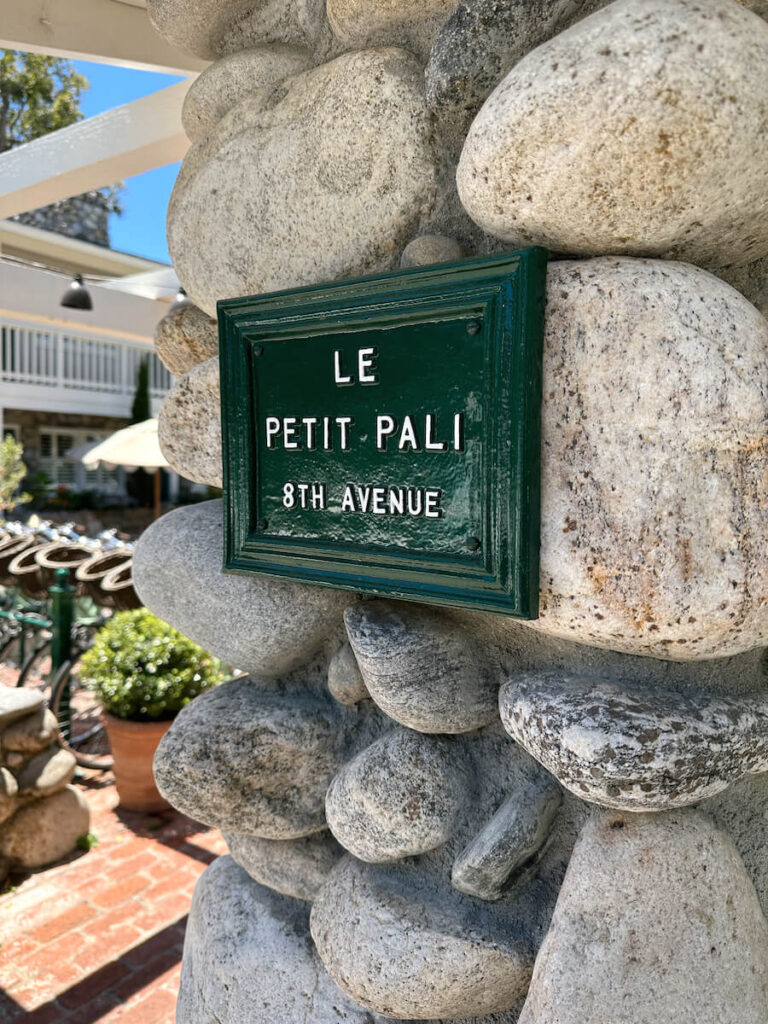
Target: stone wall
{"points": [[41, 815], [85, 217], [555, 822]]}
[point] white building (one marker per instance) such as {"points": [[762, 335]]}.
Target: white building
{"points": [[69, 376]]}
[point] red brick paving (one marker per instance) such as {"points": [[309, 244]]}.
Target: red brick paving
{"points": [[98, 938]]}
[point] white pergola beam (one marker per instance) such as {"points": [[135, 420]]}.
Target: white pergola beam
{"points": [[117, 144], [100, 30]]}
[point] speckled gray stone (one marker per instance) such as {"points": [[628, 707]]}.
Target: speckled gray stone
{"points": [[215, 28], [514, 835], [189, 425], [656, 921], [360, 23], [344, 679], [259, 625], [635, 749], [654, 461], [429, 249], [347, 211], [31, 734], [186, 337], [17, 702], [227, 82], [258, 761], [641, 130], [400, 797], [46, 773], [293, 867], [248, 957], [479, 44], [45, 830], [421, 667], [751, 280], [400, 940]]}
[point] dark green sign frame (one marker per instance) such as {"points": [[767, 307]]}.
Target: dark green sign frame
{"points": [[427, 487]]}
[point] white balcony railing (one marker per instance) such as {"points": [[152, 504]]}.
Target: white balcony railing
{"points": [[75, 371]]}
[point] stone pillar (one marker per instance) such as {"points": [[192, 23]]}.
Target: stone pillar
{"points": [[441, 815]]}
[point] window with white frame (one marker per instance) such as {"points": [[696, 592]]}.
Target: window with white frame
{"points": [[55, 446]]}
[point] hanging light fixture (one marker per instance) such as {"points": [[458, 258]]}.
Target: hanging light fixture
{"points": [[77, 295], [182, 301]]}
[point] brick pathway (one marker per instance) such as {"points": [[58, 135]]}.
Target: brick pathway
{"points": [[98, 938]]}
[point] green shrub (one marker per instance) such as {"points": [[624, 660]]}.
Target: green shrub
{"points": [[144, 670]]}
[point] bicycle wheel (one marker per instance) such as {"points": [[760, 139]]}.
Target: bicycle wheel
{"points": [[79, 716], [37, 666]]}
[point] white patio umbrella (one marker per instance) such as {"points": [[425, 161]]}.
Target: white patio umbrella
{"points": [[134, 447]]}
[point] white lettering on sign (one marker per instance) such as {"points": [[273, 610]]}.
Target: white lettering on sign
{"points": [[407, 433]]}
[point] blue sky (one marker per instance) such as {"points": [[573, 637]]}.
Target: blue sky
{"points": [[141, 228]]}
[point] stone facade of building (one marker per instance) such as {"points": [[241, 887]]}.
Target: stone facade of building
{"points": [[452, 816]]}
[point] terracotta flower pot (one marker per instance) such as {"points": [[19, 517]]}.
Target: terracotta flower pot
{"points": [[133, 747]]}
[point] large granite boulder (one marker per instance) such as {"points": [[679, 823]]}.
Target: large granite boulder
{"points": [[656, 921], [230, 80], [260, 625], [185, 337], [339, 169], [189, 425], [216, 28], [258, 761], [654, 461], [639, 130], [635, 748], [248, 957], [479, 44]]}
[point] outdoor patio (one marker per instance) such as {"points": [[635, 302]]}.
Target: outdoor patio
{"points": [[99, 937]]}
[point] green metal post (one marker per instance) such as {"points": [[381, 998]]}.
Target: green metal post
{"points": [[63, 604]]}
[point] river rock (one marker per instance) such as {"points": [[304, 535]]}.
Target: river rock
{"points": [[31, 734], [639, 130], [515, 834], [346, 211], [293, 867], [230, 80], [258, 761], [248, 957], [479, 44], [189, 425], [428, 249], [8, 790], [422, 668], [398, 798], [260, 625], [186, 337], [635, 749], [402, 941], [17, 702], [216, 28], [46, 773], [360, 23], [656, 921], [344, 678], [654, 461], [45, 830]]}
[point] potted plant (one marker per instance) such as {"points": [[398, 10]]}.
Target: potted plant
{"points": [[143, 672]]}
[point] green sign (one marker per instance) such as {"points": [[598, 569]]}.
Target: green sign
{"points": [[383, 435]]}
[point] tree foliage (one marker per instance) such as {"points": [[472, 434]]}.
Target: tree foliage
{"points": [[38, 95], [12, 472]]}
